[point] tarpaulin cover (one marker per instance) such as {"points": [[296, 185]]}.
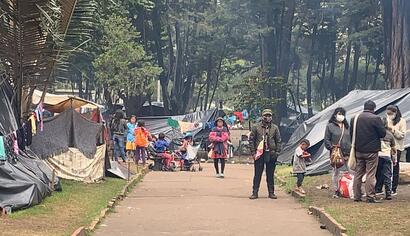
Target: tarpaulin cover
{"points": [[59, 103], [24, 179], [314, 128], [160, 124], [68, 129], [75, 166]]}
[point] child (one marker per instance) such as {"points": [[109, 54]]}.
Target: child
{"points": [[219, 137], [142, 138], [299, 164], [130, 145], [161, 147], [387, 158]]}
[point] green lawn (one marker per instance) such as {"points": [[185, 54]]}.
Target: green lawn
{"points": [[388, 218], [63, 212]]}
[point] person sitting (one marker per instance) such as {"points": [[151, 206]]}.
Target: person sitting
{"points": [[161, 147]]}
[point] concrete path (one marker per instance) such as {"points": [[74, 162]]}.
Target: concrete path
{"points": [[184, 203]]}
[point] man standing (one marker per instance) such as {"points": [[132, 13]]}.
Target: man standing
{"points": [[265, 143], [369, 131]]}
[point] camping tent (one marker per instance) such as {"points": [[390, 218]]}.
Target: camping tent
{"points": [[24, 179], [314, 128]]}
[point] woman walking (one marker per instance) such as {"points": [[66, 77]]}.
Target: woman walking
{"points": [[219, 137], [337, 141], [397, 126]]}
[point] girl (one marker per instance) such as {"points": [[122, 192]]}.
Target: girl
{"points": [[142, 138], [130, 145], [337, 136], [219, 137], [299, 164], [397, 126]]}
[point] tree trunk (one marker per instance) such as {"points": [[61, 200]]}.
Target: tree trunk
{"points": [[387, 33], [309, 72], [208, 80], [347, 67], [357, 53], [400, 45], [377, 69], [366, 71]]}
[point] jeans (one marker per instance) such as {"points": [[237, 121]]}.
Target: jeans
{"points": [[396, 172], [259, 165], [384, 176], [366, 164], [299, 177], [119, 149]]}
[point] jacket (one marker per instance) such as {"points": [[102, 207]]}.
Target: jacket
{"points": [[161, 145], [399, 132], [388, 147], [274, 139], [370, 130], [332, 137], [219, 138]]}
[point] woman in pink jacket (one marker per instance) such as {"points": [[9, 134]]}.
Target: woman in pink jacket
{"points": [[219, 137]]}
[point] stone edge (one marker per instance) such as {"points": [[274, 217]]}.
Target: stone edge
{"points": [[331, 224], [82, 231]]}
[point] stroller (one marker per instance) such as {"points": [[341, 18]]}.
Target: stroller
{"points": [[188, 158]]}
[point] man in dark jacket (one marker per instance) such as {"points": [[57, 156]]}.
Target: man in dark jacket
{"points": [[267, 133], [369, 131]]}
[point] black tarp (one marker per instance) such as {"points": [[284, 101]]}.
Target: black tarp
{"points": [[314, 128], [24, 179]]}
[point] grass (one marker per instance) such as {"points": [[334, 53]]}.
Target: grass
{"points": [[63, 212], [388, 218]]}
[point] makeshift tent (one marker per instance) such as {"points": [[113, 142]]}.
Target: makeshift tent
{"points": [[24, 179], [314, 128], [59, 103], [161, 124]]}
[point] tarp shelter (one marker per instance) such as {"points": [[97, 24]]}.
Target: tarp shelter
{"points": [[24, 179], [59, 103], [314, 128], [159, 124]]}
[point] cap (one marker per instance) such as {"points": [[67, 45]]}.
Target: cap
{"points": [[267, 112]]}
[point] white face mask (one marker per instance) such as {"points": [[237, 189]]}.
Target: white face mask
{"points": [[391, 117], [340, 118]]}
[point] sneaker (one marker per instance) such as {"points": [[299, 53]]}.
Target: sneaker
{"points": [[222, 176], [388, 197], [372, 200], [336, 195], [394, 193], [302, 191], [254, 196], [379, 193], [218, 175], [272, 196]]}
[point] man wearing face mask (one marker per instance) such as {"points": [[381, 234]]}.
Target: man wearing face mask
{"points": [[369, 132], [265, 143]]}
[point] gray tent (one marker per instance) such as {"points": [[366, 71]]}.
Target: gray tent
{"points": [[314, 128]]}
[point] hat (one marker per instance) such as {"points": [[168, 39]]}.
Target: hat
{"points": [[218, 119], [267, 112], [188, 135]]}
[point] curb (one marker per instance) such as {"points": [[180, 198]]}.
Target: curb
{"points": [[82, 231], [327, 220], [331, 224]]}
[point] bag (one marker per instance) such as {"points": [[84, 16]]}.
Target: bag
{"points": [[141, 139], [336, 155], [346, 185], [352, 157]]}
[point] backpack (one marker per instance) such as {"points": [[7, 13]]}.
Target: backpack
{"points": [[141, 137]]}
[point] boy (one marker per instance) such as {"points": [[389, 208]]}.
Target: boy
{"points": [[161, 147], [387, 158], [299, 164]]}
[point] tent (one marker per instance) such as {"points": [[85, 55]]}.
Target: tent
{"points": [[314, 128], [24, 179]]}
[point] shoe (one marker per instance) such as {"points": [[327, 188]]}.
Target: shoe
{"points": [[372, 200], [336, 195], [218, 175], [388, 197], [379, 193], [302, 191], [254, 196], [272, 196], [394, 193], [358, 200], [222, 176]]}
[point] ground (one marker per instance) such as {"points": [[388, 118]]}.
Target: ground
{"points": [[388, 218], [197, 203], [62, 213]]}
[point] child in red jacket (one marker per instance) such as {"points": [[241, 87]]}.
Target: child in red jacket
{"points": [[219, 137]]}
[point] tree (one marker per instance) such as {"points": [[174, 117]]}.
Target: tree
{"points": [[124, 69]]}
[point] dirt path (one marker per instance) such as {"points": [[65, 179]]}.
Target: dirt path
{"points": [[184, 203]]}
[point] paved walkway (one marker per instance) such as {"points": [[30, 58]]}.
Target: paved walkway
{"points": [[184, 203]]}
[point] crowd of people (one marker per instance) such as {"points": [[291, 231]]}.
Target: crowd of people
{"points": [[369, 148]]}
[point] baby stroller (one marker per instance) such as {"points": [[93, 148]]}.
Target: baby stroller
{"points": [[189, 158]]}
